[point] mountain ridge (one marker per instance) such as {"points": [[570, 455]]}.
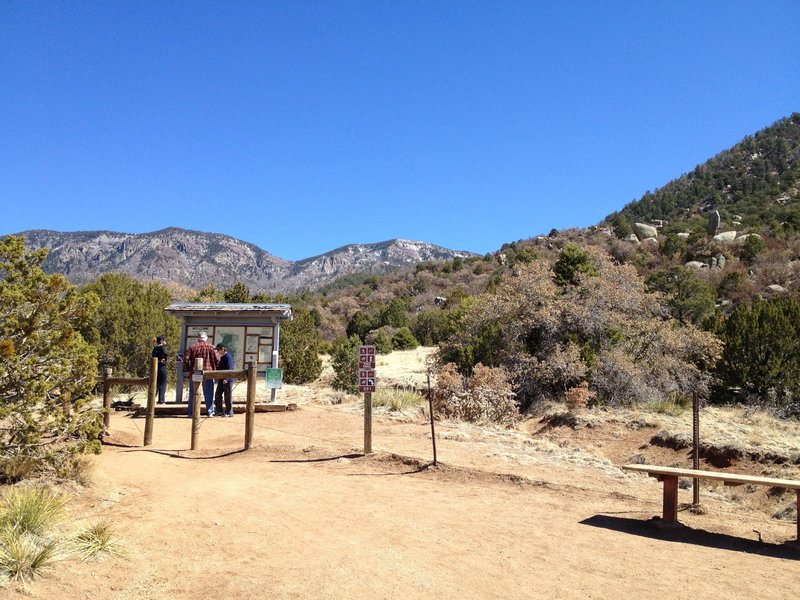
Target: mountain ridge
{"points": [[195, 258]]}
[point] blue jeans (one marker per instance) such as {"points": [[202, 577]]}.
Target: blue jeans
{"points": [[208, 396]]}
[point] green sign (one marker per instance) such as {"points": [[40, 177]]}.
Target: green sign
{"points": [[274, 378]]}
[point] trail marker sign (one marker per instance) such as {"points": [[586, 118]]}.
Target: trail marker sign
{"points": [[366, 369]]}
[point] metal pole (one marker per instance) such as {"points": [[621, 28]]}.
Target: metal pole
{"points": [[696, 446], [151, 402], [430, 408]]}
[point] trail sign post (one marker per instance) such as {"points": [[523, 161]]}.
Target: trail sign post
{"points": [[366, 385]]}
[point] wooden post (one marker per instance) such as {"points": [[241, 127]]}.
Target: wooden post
{"points": [[198, 364], [670, 507], [151, 402], [367, 422], [695, 447], [430, 409], [106, 400], [249, 416], [798, 516]]}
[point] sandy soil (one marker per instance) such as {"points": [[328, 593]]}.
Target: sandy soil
{"points": [[304, 515]]}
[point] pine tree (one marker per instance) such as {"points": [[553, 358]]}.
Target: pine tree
{"points": [[300, 348], [43, 361], [762, 351], [344, 360]]}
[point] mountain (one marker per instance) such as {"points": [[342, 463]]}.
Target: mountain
{"points": [[195, 258], [755, 183]]}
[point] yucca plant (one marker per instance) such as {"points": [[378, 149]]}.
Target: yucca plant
{"points": [[24, 555], [94, 540], [33, 510]]}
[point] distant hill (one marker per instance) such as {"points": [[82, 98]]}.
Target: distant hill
{"points": [[755, 183], [195, 259]]}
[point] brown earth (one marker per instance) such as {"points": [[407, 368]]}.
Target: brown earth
{"points": [[537, 512]]}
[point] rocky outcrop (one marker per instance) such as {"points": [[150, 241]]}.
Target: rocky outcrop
{"points": [[644, 231], [725, 236], [195, 258]]}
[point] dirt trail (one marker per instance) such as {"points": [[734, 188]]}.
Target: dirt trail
{"points": [[303, 515]]}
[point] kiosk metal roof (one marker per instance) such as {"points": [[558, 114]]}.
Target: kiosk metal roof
{"points": [[186, 309]]}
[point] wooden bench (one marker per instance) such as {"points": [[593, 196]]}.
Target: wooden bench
{"points": [[669, 476]]}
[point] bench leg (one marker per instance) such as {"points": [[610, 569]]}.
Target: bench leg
{"points": [[798, 516], [670, 498]]}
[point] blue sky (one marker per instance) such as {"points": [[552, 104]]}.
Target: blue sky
{"points": [[303, 126]]}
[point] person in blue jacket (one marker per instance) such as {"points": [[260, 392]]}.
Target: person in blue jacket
{"points": [[224, 386]]}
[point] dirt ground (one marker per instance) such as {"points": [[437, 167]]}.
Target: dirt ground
{"points": [[506, 514]]}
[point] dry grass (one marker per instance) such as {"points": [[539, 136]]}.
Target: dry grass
{"points": [[397, 400]]}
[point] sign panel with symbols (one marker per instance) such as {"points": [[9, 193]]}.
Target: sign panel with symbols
{"points": [[366, 369], [366, 357]]}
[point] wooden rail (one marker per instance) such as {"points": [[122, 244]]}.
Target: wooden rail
{"points": [[248, 374], [669, 476], [107, 380]]}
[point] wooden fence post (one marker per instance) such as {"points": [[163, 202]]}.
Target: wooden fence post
{"points": [[198, 365], [106, 400], [251, 406], [151, 402]]}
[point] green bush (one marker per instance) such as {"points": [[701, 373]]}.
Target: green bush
{"points": [[761, 356], [344, 361], [300, 348], [403, 339], [42, 359], [572, 262], [128, 319]]}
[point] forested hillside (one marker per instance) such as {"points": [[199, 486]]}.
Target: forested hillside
{"points": [[755, 183]]}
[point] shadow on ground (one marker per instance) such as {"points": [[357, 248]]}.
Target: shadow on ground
{"points": [[696, 537]]}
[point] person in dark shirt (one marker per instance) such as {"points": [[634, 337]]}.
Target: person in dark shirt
{"points": [[224, 386], [160, 352], [201, 349]]}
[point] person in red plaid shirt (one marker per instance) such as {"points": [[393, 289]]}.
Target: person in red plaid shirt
{"points": [[202, 349]]}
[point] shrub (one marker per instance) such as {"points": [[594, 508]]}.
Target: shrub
{"points": [[578, 397], [572, 262], [130, 315], [761, 357], [300, 349], [42, 359], [403, 339], [381, 339], [486, 397]]}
